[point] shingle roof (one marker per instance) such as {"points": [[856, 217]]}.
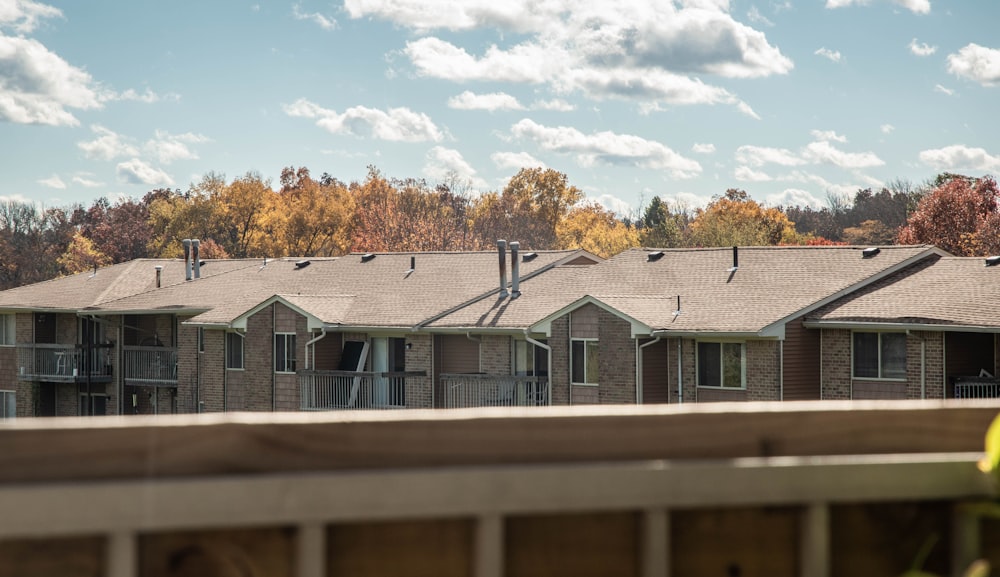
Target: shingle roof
{"points": [[771, 284], [947, 291]]}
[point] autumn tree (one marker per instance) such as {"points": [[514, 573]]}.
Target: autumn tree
{"points": [[960, 215], [734, 219], [310, 218], [31, 240], [660, 226], [81, 255], [239, 214], [595, 229], [120, 231], [174, 216]]}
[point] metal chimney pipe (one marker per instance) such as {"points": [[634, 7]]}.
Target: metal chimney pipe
{"points": [[736, 257], [515, 270], [502, 252], [187, 258], [413, 263], [195, 259], [159, 274]]}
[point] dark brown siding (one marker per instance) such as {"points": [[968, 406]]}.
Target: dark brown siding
{"points": [[801, 363], [655, 372], [454, 354]]}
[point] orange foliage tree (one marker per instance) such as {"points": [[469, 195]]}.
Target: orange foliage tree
{"points": [[734, 219], [960, 215]]}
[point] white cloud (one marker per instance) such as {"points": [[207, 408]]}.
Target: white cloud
{"points": [[706, 148], [396, 124], [832, 55], [944, 90], [887, 128], [793, 197], [147, 96], [445, 164], [38, 86], [322, 21], [976, 63], [959, 156], [23, 15], [607, 148], [493, 101], [515, 160], [614, 204], [167, 148], [136, 171], [921, 48], [107, 146], [827, 135], [761, 155], [756, 17], [556, 104], [918, 6], [645, 51], [85, 180], [53, 182], [747, 174], [824, 152]]}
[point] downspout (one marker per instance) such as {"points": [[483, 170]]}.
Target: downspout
{"points": [[549, 360], [680, 371], [322, 335], [119, 373], [781, 370], [274, 397], [569, 357], [639, 384]]}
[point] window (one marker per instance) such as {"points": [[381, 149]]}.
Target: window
{"points": [[879, 355], [7, 333], [722, 365], [234, 351], [284, 352], [8, 404], [530, 360], [98, 404], [584, 360]]}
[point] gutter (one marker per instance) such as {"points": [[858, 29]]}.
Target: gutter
{"points": [[897, 326]]}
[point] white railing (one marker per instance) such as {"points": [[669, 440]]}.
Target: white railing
{"points": [[977, 388], [476, 390], [48, 362], [149, 365], [328, 390]]}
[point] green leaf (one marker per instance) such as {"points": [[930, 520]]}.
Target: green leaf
{"points": [[991, 462]]}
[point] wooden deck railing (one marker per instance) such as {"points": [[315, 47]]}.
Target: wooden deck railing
{"points": [[481, 390], [813, 489]]}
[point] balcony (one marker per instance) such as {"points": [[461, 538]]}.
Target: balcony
{"points": [[332, 390], [977, 388], [62, 363], [479, 390], [149, 366]]}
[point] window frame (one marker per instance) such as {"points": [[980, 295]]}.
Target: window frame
{"points": [[587, 344], [230, 336], [8, 328], [722, 364], [879, 362], [5, 395], [201, 340], [286, 365]]}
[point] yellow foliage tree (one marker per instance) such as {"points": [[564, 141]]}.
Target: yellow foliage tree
{"points": [[736, 220], [595, 229], [81, 256]]}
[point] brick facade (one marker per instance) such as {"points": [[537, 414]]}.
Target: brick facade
{"points": [[617, 359], [835, 368], [763, 370], [559, 356]]}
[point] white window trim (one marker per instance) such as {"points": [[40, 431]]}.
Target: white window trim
{"points": [[585, 340], [243, 350], [11, 317], [201, 340], [274, 352], [879, 347], [3, 402], [743, 365]]}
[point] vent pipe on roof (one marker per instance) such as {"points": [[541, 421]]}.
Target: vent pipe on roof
{"points": [[736, 259], [870, 252], [502, 252], [159, 274], [187, 258], [195, 246], [992, 260], [678, 311], [515, 270], [413, 263]]}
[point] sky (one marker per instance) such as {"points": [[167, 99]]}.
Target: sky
{"points": [[793, 101]]}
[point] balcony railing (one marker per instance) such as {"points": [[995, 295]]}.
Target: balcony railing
{"points": [[62, 363], [977, 388], [155, 366], [330, 390], [476, 390]]}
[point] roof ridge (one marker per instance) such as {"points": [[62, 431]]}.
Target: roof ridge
{"points": [[249, 263]]}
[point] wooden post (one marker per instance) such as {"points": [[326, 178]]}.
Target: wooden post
{"points": [[122, 557], [489, 546], [815, 543], [311, 550], [656, 543]]}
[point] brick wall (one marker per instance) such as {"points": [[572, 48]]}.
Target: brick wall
{"points": [[27, 392], [287, 395], [494, 354], [763, 370], [419, 390], [211, 374], [933, 345], [586, 395], [586, 322], [187, 367], [258, 362], [559, 341], [617, 360], [836, 364]]}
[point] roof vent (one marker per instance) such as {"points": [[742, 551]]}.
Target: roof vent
{"points": [[367, 257], [870, 252], [529, 256], [301, 264], [655, 255], [736, 260], [992, 260]]}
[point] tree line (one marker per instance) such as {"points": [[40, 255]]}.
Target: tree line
{"points": [[303, 216]]}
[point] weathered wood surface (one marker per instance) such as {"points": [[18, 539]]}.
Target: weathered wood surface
{"points": [[79, 449]]}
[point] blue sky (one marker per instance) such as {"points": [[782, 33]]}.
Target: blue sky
{"points": [[790, 100]]}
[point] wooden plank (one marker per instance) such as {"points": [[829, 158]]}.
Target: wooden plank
{"points": [[489, 546], [79, 556], [224, 552], [744, 542], [436, 548], [815, 540], [244, 443], [655, 543], [582, 545]]}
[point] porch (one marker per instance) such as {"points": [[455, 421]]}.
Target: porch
{"points": [[149, 366], [62, 363], [482, 390], [332, 390]]}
